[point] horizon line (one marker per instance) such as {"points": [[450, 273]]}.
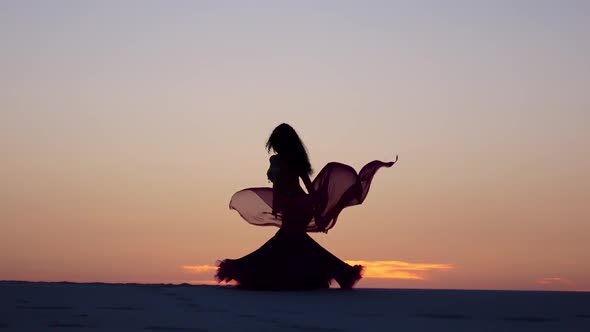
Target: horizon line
{"points": [[231, 286]]}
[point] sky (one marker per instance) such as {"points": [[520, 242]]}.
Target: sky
{"points": [[126, 126]]}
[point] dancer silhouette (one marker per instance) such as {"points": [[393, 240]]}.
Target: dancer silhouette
{"points": [[291, 259]]}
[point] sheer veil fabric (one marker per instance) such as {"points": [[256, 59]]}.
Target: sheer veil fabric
{"points": [[337, 186]]}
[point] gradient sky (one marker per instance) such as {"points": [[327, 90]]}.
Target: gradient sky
{"points": [[126, 126]]}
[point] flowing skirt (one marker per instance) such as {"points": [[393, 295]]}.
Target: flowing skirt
{"points": [[291, 259]]}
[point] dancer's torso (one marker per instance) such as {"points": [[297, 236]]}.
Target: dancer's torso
{"points": [[293, 202]]}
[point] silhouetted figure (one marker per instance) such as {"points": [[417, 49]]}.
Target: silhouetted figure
{"points": [[292, 260]]}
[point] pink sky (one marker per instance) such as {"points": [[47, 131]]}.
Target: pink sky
{"points": [[123, 134]]}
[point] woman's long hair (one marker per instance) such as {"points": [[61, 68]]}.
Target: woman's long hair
{"points": [[285, 142]]}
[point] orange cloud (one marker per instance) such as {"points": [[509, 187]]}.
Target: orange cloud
{"points": [[373, 269], [199, 268], [203, 269], [554, 281], [399, 269]]}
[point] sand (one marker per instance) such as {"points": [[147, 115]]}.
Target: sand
{"points": [[27, 306]]}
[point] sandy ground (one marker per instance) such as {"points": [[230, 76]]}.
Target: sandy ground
{"points": [[133, 307]]}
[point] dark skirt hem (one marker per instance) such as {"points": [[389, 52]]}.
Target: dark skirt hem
{"points": [[288, 261]]}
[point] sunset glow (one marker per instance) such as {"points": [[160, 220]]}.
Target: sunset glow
{"points": [[200, 268], [399, 270], [554, 281], [373, 269], [125, 129]]}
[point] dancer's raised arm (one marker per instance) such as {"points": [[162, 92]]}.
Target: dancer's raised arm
{"points": [[308, 184], [319, 220]]}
